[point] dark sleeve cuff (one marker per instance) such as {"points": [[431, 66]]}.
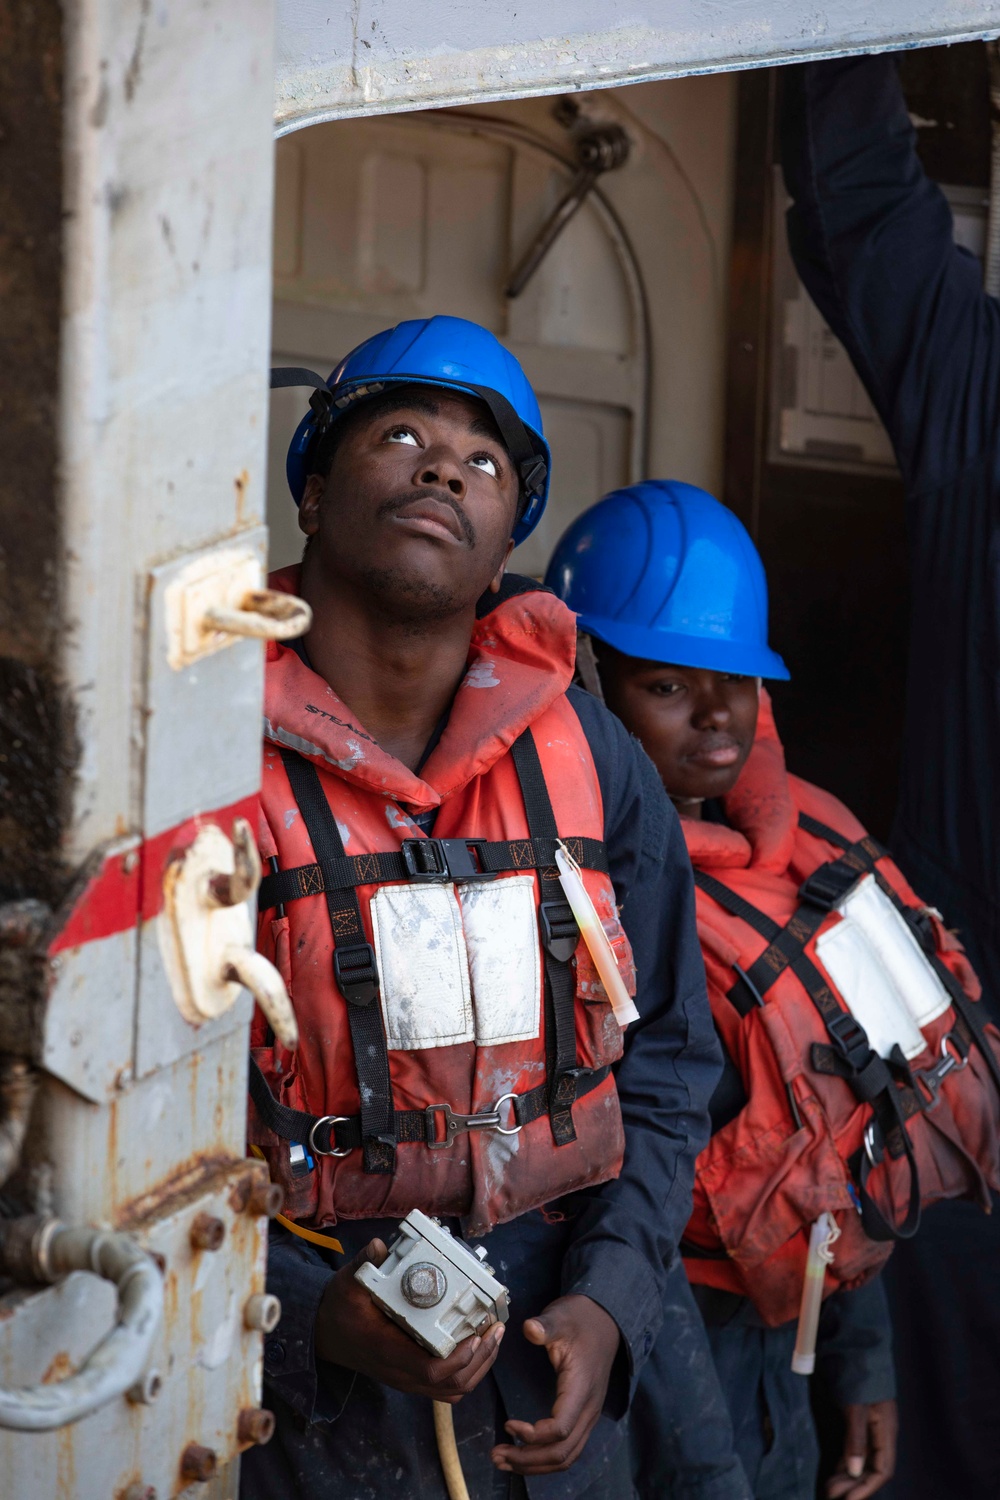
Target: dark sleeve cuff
{"points": [[621, 1281], [298, 1276], [854, 1351]]}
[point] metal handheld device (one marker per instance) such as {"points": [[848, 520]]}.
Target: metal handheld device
{"points": [[434, 1286]]}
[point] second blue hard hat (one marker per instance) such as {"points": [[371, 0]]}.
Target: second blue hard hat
{"points": [[440, 351], [664, 572]]}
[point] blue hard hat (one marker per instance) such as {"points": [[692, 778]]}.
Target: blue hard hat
{"points": [[663, 572], [443, 351]]}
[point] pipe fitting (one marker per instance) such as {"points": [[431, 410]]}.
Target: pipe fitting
{"points": [[37, 1249]]}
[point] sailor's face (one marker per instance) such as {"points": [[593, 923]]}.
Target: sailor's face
{"points": [[696, 726], [420, 501]]}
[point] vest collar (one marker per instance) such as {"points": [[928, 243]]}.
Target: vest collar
{"points": [[521, 659], [762, 815]]}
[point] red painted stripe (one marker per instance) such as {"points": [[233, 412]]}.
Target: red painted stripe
{"points": [[128, 888]]}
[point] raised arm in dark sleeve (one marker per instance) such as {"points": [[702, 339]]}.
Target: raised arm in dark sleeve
{"points": [[872, 239], [626, 1236]]}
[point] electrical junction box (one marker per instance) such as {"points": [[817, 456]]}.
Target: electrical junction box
{"points": [[434, 1286]]}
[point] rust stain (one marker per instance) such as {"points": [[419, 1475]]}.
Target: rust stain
{"points": [[171, 1301], [190, 1180], [60, 1366], [242, 482], [66, 1486], [111, 1159]]}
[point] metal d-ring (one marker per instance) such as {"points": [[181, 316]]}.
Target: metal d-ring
{"points": [[496, 1110], [869, 1142], [328, 1120], [948, 1052]]}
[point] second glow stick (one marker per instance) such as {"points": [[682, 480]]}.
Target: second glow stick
{"points": [[593, 934], [821, 1238]]}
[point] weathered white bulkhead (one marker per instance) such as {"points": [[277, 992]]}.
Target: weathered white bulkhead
{"points": [[169, 114]]}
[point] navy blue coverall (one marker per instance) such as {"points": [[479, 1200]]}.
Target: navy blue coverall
{"points": [[737, 1424], [872, 240], [348, 1437]]}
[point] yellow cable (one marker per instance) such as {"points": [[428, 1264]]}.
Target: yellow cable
{"points": [[326, 1240], [313, 1236], [444, 1420], [444, 1431]]}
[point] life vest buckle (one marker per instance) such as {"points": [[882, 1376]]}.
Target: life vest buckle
{"points": [[356, 972], [560, 930], [850, 1039], [830, 885], [446, 859]]}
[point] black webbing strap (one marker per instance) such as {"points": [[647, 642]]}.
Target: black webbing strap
{"points": [[560, 935], [786, 950], [354, 969], [744, 995], [329, 1135], [866, 852], [425, 859], [858, 1064]]}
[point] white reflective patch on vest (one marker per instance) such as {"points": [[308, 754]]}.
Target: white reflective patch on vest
{"points": [[501, 935], [883, 977], [423, 967]]}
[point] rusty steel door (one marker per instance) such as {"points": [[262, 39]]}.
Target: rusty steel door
{"points": [[137, 217], [135, 233]]}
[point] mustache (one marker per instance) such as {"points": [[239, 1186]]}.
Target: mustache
{"points": [[396, 503]]}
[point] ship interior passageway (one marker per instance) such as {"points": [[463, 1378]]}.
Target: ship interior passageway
{"points": [[664, 329]]}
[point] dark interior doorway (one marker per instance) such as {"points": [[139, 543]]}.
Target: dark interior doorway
{"points": [[808, 466]]}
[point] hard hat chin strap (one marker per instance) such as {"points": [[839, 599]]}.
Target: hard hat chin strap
{"points": [[530, 465]]}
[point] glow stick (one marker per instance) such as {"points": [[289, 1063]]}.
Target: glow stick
{"points": [[593, 934], [821, 1238]]}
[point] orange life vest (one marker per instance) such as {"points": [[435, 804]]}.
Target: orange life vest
{"points": [[798, 912], [455, 1040]]}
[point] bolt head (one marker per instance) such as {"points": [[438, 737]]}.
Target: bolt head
{"points": [[146, 1389], [256, 1425], [424, 1285], [265, 1199], [207, 1232], [198, 1464], [262, 1312]]}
